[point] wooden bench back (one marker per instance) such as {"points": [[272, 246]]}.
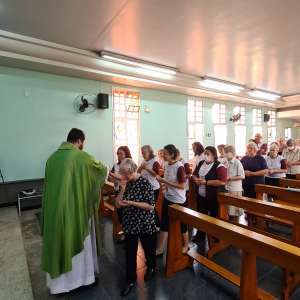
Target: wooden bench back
{"points": [[283, 182], [279, 193], [252, 244]]}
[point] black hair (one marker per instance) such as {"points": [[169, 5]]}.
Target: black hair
{"points": [[213, 151], [74, 135], [172, 150]]}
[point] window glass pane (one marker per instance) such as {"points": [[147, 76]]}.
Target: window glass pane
{"points": [[257, 129], [195, 126], [240, 139], [271, 135], [126, 116], [287, 133], [220, 132]]}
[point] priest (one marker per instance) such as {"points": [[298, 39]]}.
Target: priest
{"points": [[73, 180]]}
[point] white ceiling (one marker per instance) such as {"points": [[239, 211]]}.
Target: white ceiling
{"points": [[251, 42]]}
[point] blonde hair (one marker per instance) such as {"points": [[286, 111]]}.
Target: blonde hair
{"points": [[273, 146], [230, 148], [252, 145]]}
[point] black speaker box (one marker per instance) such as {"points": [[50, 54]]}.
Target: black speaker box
{"points": [[266, 117], [102, 101]]}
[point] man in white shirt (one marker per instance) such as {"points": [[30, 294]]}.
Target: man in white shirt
{"points": [[292, 155]]}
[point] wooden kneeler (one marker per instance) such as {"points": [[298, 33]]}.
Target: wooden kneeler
{"points": [[251, 243]]}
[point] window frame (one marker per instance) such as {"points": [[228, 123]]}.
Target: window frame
{"points": [[125, 120], [194, 122]]}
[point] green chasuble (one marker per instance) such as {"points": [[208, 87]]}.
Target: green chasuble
{"points": [[73, 181]]}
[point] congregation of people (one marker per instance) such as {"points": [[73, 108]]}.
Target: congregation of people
{"points": [[70, 225], [212, 170]]}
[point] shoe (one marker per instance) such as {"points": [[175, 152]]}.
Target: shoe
{"points": [[150, 273], [127, 289]]}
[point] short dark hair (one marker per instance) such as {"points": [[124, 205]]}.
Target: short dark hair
{"points": [[172, 150], [199, 149], [74, 135], [213, 151]]}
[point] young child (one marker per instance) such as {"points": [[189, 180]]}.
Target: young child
{"points": [[235, 176], [174, 193]]}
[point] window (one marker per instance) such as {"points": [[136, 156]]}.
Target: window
{"points": [[126, 116], [240, 139], [220, 127], [240, 131], [287, 133], [220, 132], [257, 121], [272, 126], [272, 120], [195, 126], [219, 113]]}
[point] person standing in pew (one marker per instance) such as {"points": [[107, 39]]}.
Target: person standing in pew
{"points": [[173, 185], [188, 173], [123, 152], [222, 158], [235, 177], [149, 169], [292, 154], [255, 167], [198, 150], [210, 177], [277, 166], [114, 174], [136, 201]]}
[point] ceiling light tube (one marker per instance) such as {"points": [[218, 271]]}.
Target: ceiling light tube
{"points": [[220, 85], [264, 95], [137, 63]]}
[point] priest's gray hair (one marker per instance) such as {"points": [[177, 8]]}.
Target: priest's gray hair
{"points": [[128, 166]]}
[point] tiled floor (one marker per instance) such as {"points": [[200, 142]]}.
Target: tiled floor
{"points": [[196, 283], [14, 276]]}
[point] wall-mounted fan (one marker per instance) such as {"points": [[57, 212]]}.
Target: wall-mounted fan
{"points": [[235, 117], [85, 103]]}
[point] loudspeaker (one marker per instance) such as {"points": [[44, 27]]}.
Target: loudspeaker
{"points": [[266, 117], [102, 101]]}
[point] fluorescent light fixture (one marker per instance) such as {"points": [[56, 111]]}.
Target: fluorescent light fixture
{"points": [[153, 73], [219, 85], [264, 95], [137, 63]]}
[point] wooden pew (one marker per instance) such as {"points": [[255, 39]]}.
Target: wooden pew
{"points": [[251, 243], [291, 280], [280, 194], [293, 183], [107, 206], [297, 176]]}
